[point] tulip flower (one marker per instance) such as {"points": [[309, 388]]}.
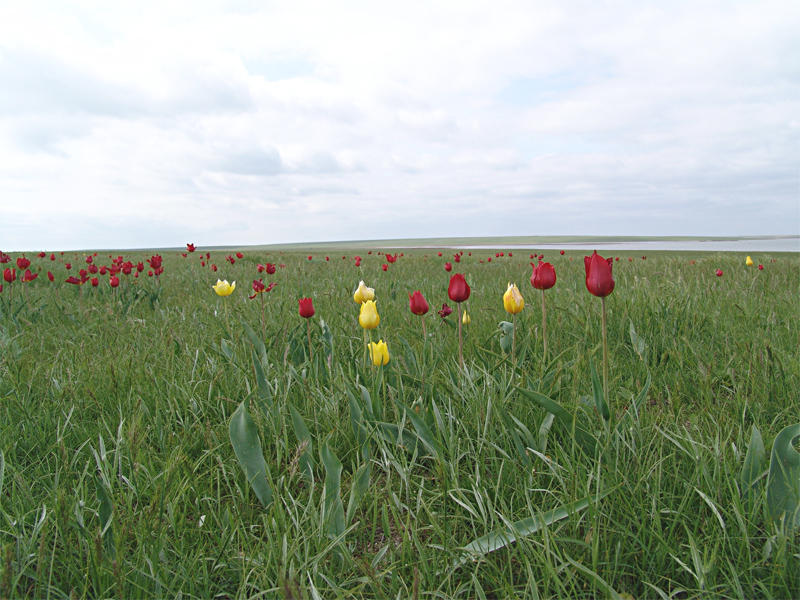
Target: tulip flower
{"points": [[10, 275], [52, 257], [599, 280], [23, 263], [260, 288], [75, 281], [95, 282], [448, 267], [214, 268], [28, 276], [465, 318], [93, 269], [600, 283], [513, 300], [223, 288], [363, 293], [543, 278], [458, 291], [446, 311], [153, 261], [190, 248], [306, 308], [369, 318], [89, 260], [385, 268], [719, 272], [270, 268], [562, 253], [760, 267], [113, 281], [749, 262], [379, 353], [239, 255], [417, 303], [50, 277]]}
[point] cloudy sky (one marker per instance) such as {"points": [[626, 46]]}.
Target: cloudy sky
{"points": [[141, 124]]}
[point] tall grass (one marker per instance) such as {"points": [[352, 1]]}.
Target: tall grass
{"points": [[119, 477]]}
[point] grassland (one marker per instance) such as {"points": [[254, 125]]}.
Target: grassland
{"points": [[119, 478]]}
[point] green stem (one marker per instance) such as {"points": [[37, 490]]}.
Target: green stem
{"points": [[460, 343], [544, 327], [605, 353], [513, 343]]}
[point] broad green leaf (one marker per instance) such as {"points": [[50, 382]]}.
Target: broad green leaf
{"points": [[599, 397], [422, 430], [264, 391], [507, 330], [508, 535], [247, 446], [544, 429], [582, 437], [304, 437], [750, 478], [401, 437], [258, 343], [783, 481], [358, 489], [334, 509], [367, 402], [327, 338], [638, 344]]}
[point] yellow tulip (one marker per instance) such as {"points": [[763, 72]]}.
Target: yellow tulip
{"points": [[379, 353], [363, 293], [749, 262], [512, 300], [223, 288], [369, 319], [465, 319]]}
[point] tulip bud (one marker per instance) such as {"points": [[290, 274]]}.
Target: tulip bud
{"points": [[306, 308], [379, 353], [749, 262], [458, 290], [544, 276], [465, 318], [599, 281], [368, 318], [417, 303], [512, 300]]}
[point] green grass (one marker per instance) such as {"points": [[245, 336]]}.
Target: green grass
{"points": [[115, 408]]}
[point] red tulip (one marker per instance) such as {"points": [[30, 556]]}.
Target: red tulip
{"points": [[28, 276], [617, 259], [239, 255], [42, 254], [214, 268], [52, 257], [760, 267], [391, 259], [458, 290], [127, 268], [599, 280], [76, 281], [230, 259], [10, 275], [208, 255], [470, 253], [440, 253], [270, 268], [202, 263], [190, 247], [417, 303], [140, 267], [103, 270], [113, 281], [309, 257], [154, 261], [83, 273], [446, 310], [370, 252], [457, 258], [327, 258], [644, 258], [719, 272], [23, 263], [562, 253], [89, 259], [385, 267], [149, 273], [95, 282], [306, 308], [489, 259], [358, 262], [50, 276], [544, 276], [260, 268], [93, 269], [448, 267]]}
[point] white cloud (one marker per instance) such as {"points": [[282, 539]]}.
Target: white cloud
{"points": [[150, 123]]}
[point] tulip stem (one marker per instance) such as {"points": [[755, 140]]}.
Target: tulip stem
{"points": [[544, 328], [513, 342], [310, 351], [605, 353], [424, 348], [263, 323], [460, 343]]}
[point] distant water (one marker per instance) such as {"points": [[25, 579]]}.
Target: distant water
{"points": [[784, 244]]}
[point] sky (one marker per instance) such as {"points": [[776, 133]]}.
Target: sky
{"points": [[154, 124]]}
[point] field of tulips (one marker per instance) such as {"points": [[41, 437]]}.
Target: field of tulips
{"points": [[413, 424]]}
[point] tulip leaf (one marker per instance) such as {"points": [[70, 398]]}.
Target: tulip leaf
{"points": [[783, 481], [422, 430], [638, 344], [327, 339], [358, 489], [357, 420], [258, 343], [599, 396], [264, 391], [582, 437], [750, 478], [544, 429], [506, 339], [400, 437], [247, 446], [332, 506], [307, 444], [365, 397], [504, 536], [2, 470]]}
